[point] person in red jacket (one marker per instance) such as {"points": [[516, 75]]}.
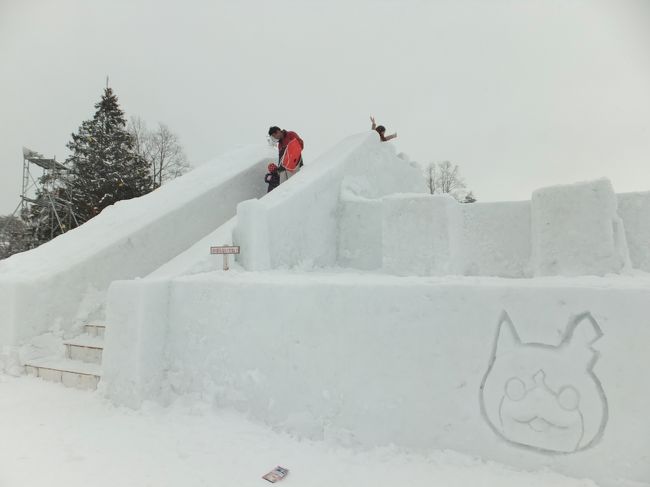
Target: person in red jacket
{"points": [[283, 137]]}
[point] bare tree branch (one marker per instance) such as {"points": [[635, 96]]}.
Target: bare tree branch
{"points": [[162, 149], [445, 178]]}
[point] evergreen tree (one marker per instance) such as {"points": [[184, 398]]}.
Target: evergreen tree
{"points": [[104, 167], [14, 236]]}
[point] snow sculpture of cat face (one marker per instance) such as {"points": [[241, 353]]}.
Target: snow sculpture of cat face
{"points": [[545, 397]]}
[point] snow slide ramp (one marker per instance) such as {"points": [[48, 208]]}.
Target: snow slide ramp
{"points": [[63, 283]]}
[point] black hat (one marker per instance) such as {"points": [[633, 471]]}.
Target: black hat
{"points": [[274, 129]]}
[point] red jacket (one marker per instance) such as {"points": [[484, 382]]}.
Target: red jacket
{"points": [[288, 136]]}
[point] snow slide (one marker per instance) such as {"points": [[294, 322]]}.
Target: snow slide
{"points": [[63, 282]]}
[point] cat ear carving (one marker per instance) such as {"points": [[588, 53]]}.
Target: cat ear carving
{"points": [[583, 331], [507, 337]]}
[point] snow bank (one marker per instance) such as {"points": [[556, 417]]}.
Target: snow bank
{"points": [[534, 373], [577, 230], [298, 222], [127, 240], [78, 436]]}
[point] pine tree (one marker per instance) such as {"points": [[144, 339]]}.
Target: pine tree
{"points": [[14, 236], [104, 167]]}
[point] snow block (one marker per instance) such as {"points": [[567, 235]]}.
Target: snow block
{"points": [[251, 233], [61, 282], [302, 213], [634, 209], [360, 235], [496, 239], [134, 343], [421, 235], [521, 372], [576, 230]]}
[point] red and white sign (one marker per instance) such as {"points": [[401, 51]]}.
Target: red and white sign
{"points": [[225, 249]]}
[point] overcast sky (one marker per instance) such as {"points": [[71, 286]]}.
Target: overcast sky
{"points": [[520, 93]]}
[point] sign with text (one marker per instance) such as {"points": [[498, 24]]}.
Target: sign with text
{"points": [[225, 249]]}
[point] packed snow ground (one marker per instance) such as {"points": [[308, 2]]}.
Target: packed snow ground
{"points": [[61, 437]]}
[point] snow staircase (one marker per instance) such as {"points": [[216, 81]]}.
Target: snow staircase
{"points": [[81, 367]]}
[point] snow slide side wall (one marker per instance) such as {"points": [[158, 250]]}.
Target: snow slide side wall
{"points": [[64, 281], [298, 223], [536, 373]]}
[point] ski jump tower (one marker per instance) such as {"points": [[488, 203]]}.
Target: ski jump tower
{"points": [[58, 202]]}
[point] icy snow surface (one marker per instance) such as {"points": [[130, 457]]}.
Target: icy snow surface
{"points": [[53, 436]]}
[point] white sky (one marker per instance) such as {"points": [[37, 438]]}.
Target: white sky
{"points": [[520, 93]]}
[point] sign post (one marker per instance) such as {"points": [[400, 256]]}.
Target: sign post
{"points": [[225, 250]]}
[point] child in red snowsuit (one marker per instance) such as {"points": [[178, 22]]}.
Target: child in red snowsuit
{"points": [[272, 178]]}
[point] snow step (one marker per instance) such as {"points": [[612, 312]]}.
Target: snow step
{"points": [[95, 329], [86, 348], [71, 373]]}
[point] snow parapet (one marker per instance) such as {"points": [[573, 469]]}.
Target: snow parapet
{"points": [[496, 239], [576, 230], [421, 235]]}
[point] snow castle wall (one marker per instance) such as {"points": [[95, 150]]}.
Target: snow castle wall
{"points": [[64, 281], [571, 230], [362, 207], [533, 373]]}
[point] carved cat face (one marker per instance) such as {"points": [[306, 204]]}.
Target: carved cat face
{"points": [[542, 396]]}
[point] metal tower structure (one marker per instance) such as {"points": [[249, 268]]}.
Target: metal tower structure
{"points": [[48, 196]]}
